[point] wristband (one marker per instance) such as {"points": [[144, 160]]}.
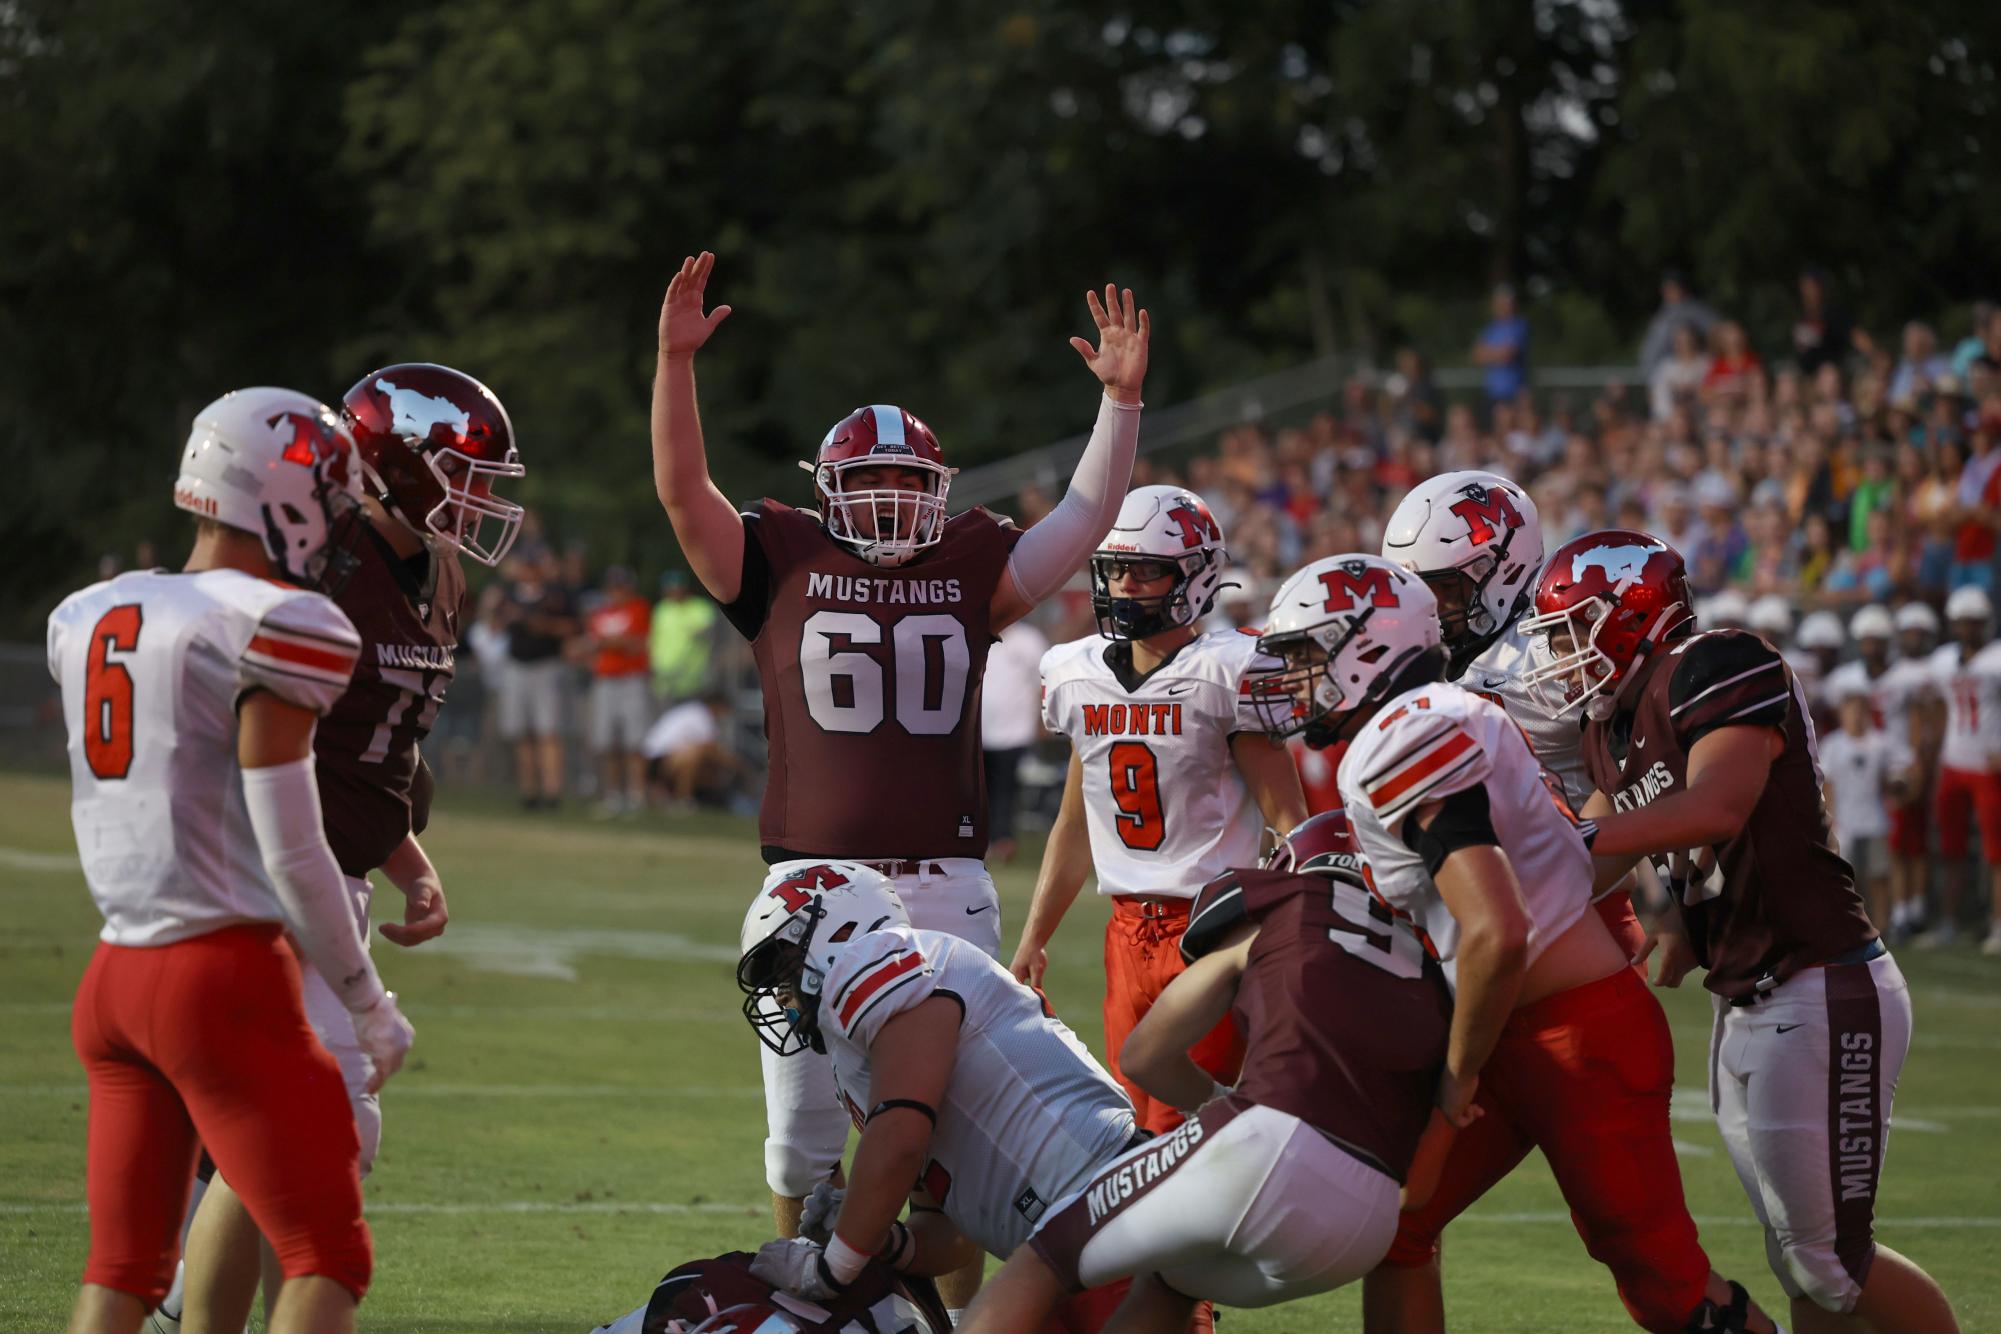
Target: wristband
{"points": [[842, 1261], [1588, 831], [900, 1249]]}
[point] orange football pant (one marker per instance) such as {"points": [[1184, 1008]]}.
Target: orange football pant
{"points": [[1142, 955], [205, 1043], [1585, 1075]]}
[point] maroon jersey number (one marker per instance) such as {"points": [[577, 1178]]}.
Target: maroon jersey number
{"points": [[1135, 778], [107, 693], [848, 689]]}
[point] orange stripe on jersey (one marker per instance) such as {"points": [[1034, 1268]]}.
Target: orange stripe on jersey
{"points": [[1394, 786], [291, 650], [876, 981]]}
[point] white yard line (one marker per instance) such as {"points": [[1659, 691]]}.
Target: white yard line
{"points": [[20, 859]]}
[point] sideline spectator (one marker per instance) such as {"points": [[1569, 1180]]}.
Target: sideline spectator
{"points": [[681, 638], [1823, 333], [686, 758], [541, 619], [620, 707], [1856, 761], [1679, 310], [1503, 348], [1010, 722]]}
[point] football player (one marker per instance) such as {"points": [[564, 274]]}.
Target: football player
{"points": [[430, 443], [1966, 677], [870, 622], [191, 701], [1913, 717], [1287, 1184], [1171, 779], [1703, 756], [957, 1076], [724, 1291], [1475, 539], [1468, 838]]}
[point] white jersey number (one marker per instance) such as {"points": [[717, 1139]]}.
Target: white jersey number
{"points": [[417, 697], [1371, 932], [846, 690]]}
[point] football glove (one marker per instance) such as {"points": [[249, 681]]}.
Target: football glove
{"points": [[823, 1206], [797, 1266], [385, 1036]]}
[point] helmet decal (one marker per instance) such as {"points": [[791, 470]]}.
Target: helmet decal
{"points": [[1618, 563], [1353, 579], [419, 415], [1486, 509]]}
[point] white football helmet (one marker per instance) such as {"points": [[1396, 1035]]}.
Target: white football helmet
{"points": [[1476, 538], [1727, 610], [1170, 528], [1870, 622], [1820, 632], [1349, 629], [1914, 617], [1970, 603], [1771, 616], [277, 464], [801, 919]]}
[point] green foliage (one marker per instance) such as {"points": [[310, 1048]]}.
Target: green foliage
{"points": [[908, 201]]}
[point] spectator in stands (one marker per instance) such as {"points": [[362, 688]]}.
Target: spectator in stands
{"points": [[1978, 497], [1010, 722], [620, 707], [1974, 346], [1823, 332], [1416, 404], [1735, 375], [542, 619], [1679, 310], [1921, 369], [1721, 541], [683, 630], [685, 754], [1676, 380], [1503, 349]]}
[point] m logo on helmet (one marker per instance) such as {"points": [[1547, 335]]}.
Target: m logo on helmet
{"points": [[1352, 583], [1485, 510], [795, 891], [311, 442], [1195, 522]]}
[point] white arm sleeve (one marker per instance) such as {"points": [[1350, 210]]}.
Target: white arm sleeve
{"points": [[1057, 545], [284, 805]]}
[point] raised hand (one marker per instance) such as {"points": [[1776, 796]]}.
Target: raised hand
{"points": [[1119, 359], [683, 326]]}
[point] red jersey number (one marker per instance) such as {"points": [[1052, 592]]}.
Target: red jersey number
{"points": [[107, 693], [1135, 780], [848, 690]]}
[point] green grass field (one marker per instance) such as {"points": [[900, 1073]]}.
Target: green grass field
{"points": [[582, 1108]]}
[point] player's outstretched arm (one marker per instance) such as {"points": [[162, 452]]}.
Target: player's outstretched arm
{"points": [[1055, 548], [1480, 891], [705, 523], [282, 796], [1066, 861], [424, 911], [1155, 1056], [1727, 769]]}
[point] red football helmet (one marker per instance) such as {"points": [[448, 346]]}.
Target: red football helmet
{"points": [[1602, 604], [432, 443], [886, 526], [1323, 844]]}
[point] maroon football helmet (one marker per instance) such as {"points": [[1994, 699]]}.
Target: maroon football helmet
{"points": [[886, 526], [433, 442], [1323, 844], [722, 1296], [1603, 603]]}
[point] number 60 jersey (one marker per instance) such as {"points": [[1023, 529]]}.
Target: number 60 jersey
{"points": [[871, 686], [1166, 807]]}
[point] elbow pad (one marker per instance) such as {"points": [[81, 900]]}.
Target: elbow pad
{"points": [[1462, 821], [283, 801], [1058, 544]]}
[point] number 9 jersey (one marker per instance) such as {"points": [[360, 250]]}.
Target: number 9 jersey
{"points": [[871, 682], [1435, 740]]}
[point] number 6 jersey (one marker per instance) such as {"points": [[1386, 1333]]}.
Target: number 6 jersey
{"points": [[871, 683], [1166, 807], [152, 666]]}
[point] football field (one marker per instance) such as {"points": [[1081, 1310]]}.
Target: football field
{"points": [[581, 1111]]}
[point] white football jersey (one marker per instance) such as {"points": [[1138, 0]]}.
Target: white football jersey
{"points": [[1972, 693], [1166, 807], [1899, 690], [1882, 690], [1557, 742], [151, 666], [1028, 1115], [1435, 740]]}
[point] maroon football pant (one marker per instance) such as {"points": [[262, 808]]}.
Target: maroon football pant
{"points": [[1142, 955], [1585, 1075]]}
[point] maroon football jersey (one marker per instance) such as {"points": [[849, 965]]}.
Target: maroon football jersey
{"points": [[871, 686], [366, 747], [1778, 897], [1344, 1014]]}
